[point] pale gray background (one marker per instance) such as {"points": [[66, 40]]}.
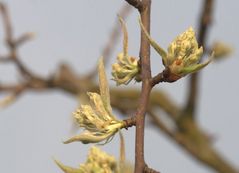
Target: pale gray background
{"points": [[33, 128]]}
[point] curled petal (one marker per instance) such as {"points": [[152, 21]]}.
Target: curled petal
{"points": [[97, 136], [194, 68], [68, 169], [98, 107], [89, 137]]}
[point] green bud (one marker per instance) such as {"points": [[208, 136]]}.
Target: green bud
{"points": [[183, 55], [125, 69], [68, 169]]}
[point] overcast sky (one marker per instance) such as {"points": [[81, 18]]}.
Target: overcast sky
{"points": [[33, 128]]}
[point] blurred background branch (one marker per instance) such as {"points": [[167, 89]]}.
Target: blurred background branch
{"points": [[184, 129]]}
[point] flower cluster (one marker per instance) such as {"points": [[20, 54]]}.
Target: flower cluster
{"points": [[97, 162], [183, 55], [96, 118], [127, 67]]}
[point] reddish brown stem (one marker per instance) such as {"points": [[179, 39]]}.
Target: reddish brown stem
{"points": [[149, 170], [144, 9], [157, 79], [130, 122], [136, 3], [145, 92]]}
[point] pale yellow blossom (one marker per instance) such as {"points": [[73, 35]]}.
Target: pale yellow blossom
{"points": [[97, 162], [126, 68], [97, 119], [183, 55]]}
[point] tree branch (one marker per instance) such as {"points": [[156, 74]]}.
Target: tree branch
{"points": [[149, 170], [144, 8], [12, 44], [157, 79], [145, 92], [136, 3], [194, 141], [187, 134], [193, 88]]}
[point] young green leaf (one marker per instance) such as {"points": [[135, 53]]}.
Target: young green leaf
{"points": [[160, 50], [125, 41], [104, 87]]}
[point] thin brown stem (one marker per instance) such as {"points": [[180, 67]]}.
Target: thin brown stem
{"points": [[130, 122], [158, 123], [157, 79], [6, 23], [12, 43], [196, 143], [136, 3], [149, 170], [144, 9], [145, 93]]}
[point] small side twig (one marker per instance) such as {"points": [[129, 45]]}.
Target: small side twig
{"points": [[130, 122], [149, 170], [157, 79], [13, 44]]}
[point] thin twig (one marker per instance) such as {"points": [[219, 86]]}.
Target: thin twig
{"points": [[6, 23], [136, 3], [193, 88], [130, 122], [144, 8], [12, 43], [157, 79], [192, 138], [158, 123], [196, 143], [149, 170]]}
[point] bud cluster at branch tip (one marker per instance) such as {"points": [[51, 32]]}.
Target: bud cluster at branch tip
{"points": [[97, 162], [127, 67], [182, 57], [96, 118]]}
